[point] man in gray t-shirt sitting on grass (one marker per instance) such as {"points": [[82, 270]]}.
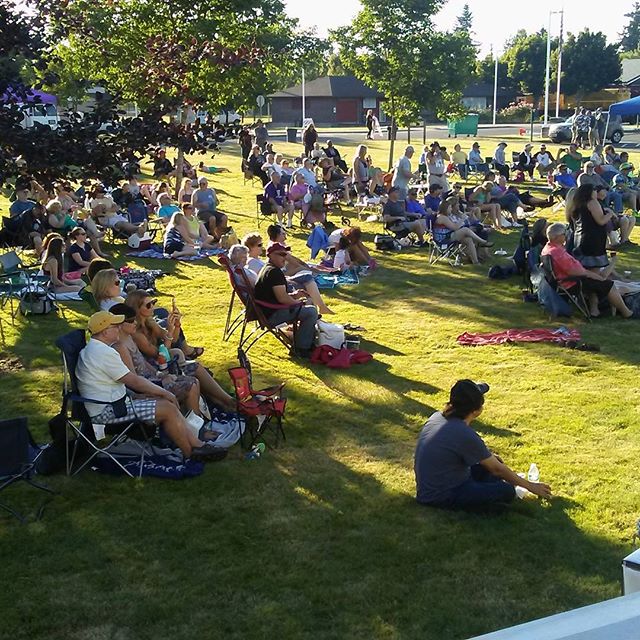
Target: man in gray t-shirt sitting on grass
{"points": [[453, 466]]}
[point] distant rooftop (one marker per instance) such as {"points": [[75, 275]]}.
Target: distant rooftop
{"points": [[330, 87]]}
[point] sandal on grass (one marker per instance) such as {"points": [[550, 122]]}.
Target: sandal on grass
{"points": [[353, 327], [196, 353]]}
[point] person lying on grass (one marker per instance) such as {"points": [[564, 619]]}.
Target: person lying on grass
{"points": [[102, 375], [453, 466]]}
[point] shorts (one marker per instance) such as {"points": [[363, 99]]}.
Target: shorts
{"points": [[113, 220], [172, 247], [143, 410], [205, 216]]}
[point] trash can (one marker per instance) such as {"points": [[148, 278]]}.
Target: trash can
{"points": [[291, 134], [631, 573], [466, 126]]}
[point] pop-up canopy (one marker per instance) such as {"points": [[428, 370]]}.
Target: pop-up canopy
{"points": [[33, 96], [629, 107]]}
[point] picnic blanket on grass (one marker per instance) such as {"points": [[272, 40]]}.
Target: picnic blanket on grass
{"points": [[158, 254], [333, 280], [560, 335]]}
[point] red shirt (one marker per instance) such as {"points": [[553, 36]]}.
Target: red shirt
{"points": [[563, 263]]}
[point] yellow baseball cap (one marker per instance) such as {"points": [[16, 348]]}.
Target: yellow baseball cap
{"points": [[103, 320]]}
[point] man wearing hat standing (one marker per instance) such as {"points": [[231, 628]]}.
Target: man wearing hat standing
{"points": [[103, 376], [500, 160], [453, 466], [271, 289], [525, 162]]}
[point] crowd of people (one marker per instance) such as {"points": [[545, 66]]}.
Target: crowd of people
{"points": [[131, 339]]}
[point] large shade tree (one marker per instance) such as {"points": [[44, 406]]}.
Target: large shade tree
{"points": [[630, 36], [588, 64], [395, 48]]}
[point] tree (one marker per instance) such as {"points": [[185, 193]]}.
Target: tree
{"points": [[217, 55], [485, 73], [464, 21], [395, 48], [588, 64], [526, 58], [630, 36]]}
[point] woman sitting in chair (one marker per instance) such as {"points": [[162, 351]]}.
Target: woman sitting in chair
{"points": [[445, 230], [53, 265], [255, 245], [238, 256], [568, 271]]}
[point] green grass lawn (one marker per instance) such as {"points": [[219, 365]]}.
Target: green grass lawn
{"points": [[322, 538]]}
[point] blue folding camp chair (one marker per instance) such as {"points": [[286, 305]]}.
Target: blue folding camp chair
{"points": [[18, 455]]}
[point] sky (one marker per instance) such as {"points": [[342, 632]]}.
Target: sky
{"points": [[491, 27]]}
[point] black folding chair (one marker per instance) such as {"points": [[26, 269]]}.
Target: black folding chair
{"points": [[16, 462], [576, 297], [78, 425]]}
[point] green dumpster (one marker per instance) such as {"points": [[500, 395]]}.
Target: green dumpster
{"points": [[466, 126]]}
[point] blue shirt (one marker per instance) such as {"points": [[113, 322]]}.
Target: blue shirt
{"points": [[447, 449], [168, 210], [19, 207], [432, 202], [566, 180], [413, 206]]}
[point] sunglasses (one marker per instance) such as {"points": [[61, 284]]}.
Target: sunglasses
{"points": [[151, 304], [116, 281]]}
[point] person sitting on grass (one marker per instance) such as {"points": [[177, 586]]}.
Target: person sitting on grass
{"points": [[106, 288], [454, 468], [79, 254], [445, 230], [342, 258], [253, 242], [102, 375], [211, 169], [58, 220], [481, 198], [275, 200], [150, 335], [271, 287], [205, 201], [105, 211], [53, 265], [162, 166], [186, 385], [297, 272], [568, 271], [396, 219], [167, 207], [197, 230], [177, 239]]}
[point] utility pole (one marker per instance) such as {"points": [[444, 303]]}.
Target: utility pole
{"points": [[304, 108], [547, 69], [495, 87], [560, 43]]}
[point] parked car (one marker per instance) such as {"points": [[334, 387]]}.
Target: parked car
{"points": [[561, 131], [230, 117]]}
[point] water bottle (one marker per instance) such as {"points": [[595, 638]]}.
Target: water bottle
{"points": [[164, 352], [534, 473], [256, 452]]}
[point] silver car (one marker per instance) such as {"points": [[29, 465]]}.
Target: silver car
{"points": [[561, 131]]}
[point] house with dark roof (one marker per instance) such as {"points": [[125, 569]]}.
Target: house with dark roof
{"points": [[328, 100], [479, 96], [630, 76]]}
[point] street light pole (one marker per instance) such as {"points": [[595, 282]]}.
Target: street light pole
{"points": [[495, 90], [560, 43], [304, 107], [546, 82]]}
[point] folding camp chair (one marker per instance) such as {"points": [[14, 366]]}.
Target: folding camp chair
{"points": [[254, 313], [15, 277], [263, 209], [79, 429], [576, 298], [449, 249], [17, 462], [266, 405], [233, 322], [477, 172]]}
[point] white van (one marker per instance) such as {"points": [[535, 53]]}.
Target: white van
{"points": [[45, 114]]}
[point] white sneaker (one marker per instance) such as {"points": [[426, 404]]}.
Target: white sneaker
{"points": [[516, 225]]}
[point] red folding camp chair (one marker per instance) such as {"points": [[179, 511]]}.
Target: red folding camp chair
{"points": [[265, 403]]}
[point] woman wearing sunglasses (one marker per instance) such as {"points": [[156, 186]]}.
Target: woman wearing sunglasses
{"points": [[149, 335], [106, 289], [79, 253]]}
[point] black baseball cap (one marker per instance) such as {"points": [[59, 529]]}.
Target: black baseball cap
{"points": [[468, 395]]}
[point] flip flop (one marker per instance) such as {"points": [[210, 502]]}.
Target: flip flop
{"points": [[196, 353], [353, 327]]}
